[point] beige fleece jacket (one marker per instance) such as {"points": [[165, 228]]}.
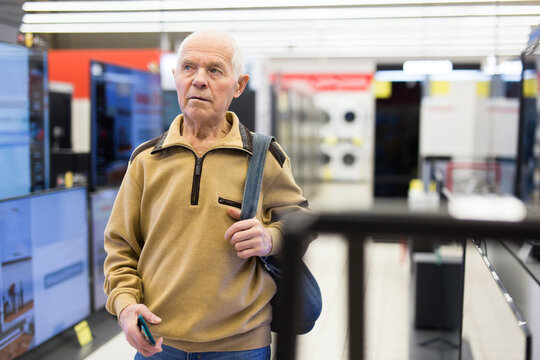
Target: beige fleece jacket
{"points": [[165, 240]]}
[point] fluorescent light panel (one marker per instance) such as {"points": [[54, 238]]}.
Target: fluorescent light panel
{"points": [[427, 66], [282, 15], [373, 26], [293, 28], [69, 6]]}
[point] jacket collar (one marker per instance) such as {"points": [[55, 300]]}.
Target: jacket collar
{"points": [[239, 136]]}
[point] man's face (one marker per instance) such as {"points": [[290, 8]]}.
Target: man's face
{"points": [[204, 80]]}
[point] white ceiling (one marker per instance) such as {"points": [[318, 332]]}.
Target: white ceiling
{"points": [[386, 29]]}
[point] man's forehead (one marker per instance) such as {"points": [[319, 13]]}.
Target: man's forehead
{"points": [[206, 55], [208, 46]]}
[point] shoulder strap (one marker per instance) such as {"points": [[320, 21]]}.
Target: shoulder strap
{"points": [[252, 187]]}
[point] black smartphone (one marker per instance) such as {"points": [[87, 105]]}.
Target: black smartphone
{"points": [[145, 331]]}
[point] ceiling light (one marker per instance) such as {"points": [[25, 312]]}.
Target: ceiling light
{"points": [[282, 15], [427, 67], [157, 5]]}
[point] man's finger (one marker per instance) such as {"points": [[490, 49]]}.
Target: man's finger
{"points": [[237, 226], [150, 316], [234, 213]]}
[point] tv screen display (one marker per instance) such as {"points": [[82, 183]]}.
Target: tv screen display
{"points": [[126, 111], [493, 327], [44, 277], [23, 146], [101, 203]]}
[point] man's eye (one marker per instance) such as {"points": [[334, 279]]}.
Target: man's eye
{"points": [[187, 67], [215, 71]]}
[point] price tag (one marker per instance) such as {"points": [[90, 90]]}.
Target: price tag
{"points": [[383, 89], [439, 88], [84, 335]]}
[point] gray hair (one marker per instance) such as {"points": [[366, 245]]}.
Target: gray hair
{"points": [[237, 61]]}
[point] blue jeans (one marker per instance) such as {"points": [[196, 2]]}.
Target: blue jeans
{"points": [[170, 353]]}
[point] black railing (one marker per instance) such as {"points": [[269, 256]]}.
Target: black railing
{"points": [[386, 219]]}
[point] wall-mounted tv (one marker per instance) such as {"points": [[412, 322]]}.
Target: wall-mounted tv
{"points": [[44, 277], [126, 111], [23, 120]]}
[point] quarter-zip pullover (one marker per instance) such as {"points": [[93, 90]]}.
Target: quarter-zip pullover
{"points": [[165, 240]]}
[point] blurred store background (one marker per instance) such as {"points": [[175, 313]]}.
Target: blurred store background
{"points": [[366, 97]]}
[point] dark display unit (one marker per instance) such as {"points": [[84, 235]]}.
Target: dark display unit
{"points": [[396, 139], [23, 120], [126, 111], [244, 108], [60, 119], [62, 156], [44, 273]]}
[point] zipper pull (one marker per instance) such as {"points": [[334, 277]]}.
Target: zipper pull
{"points": [[198, 166]]}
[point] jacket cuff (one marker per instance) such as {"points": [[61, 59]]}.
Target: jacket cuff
{"points": [[122, 301], [277, 240]]}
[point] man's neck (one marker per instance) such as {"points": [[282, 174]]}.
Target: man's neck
{"points": [[203, 134]]}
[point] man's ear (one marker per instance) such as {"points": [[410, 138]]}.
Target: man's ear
{"points": [[173, 72], [241, 85]]}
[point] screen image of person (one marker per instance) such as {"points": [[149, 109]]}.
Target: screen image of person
{"points": [[44, 273], [18, 316], [177, 253]]}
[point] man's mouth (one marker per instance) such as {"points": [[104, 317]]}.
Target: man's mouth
{"points": [[198, 98]]}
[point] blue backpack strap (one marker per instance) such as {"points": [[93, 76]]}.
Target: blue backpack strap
{"points": [[252, 187], [311, 294]]}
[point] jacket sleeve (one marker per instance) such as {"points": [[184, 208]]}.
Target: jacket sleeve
{"points": [[123, 243], [281, 197]]}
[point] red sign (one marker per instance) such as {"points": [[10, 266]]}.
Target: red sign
{"points": [[329, 82]]}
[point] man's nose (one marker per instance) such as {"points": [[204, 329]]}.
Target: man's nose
{"points": [[199, 78]]}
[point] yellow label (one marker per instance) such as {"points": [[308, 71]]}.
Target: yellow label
{"points": [[28, 40], [331, 140], [439, 88], [84, 335], [69, 179], [482, 89], [327, 173], [383, 89], [358, 141], [283, 102], [416, 184], [530, 88]]}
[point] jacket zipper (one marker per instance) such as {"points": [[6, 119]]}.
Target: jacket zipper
{"points": [[196, 180], [195, 188]]}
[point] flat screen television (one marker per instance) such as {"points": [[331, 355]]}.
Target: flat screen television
{"points": [[44, 276], [493, 327], [23, 121], [101, 203], [126, 110], [527, 182]]}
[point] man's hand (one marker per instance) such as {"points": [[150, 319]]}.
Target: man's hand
{"points": [[128, 322], [249, 237]]}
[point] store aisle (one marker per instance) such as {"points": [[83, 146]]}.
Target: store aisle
{"points": [[387, 288]]}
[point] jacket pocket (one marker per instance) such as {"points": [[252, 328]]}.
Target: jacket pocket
{"points": [[228, 202]]}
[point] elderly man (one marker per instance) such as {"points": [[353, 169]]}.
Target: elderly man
{"points": [[176, 252]]}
